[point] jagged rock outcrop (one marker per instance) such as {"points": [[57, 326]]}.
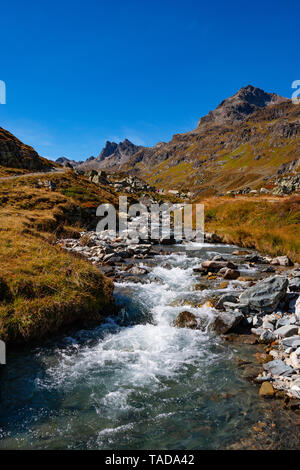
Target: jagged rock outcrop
{"points": [[112, 155], [15, 154], [239, 106]]}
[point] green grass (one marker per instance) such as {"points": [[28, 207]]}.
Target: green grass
{"points": [[272, 227]]}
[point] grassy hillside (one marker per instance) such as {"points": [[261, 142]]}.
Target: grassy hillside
{"points": [[219, 157], [269, 225], [42, 287]]}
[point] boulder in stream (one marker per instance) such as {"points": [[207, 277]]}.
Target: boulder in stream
{"points": [[265, 295], [215, 266], [223, 322], [231, 274], [225, 298], [186, 320], [282, 261]]}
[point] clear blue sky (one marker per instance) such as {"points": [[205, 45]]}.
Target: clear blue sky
{"points": [[79, 73]]}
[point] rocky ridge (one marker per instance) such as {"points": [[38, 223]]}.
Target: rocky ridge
{"points": [[15, 154]]}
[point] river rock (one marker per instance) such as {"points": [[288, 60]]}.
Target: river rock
{"points": [[267, 337], [294, 284], [108, 257], [186, 320], [233, 306], [224, 322], [137, 270], [225, 298], [291, 342], [231, 274], [265, 295], [268, 325], [295, 359], [282, 261], [256, 259], [218, 258], [286, 331], [297, 308], [215, 266], [268, 269], [257, 331], [211, 238], [278, 367], [114, 259], [266, 390]]}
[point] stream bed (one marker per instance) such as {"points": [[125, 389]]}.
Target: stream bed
{"points": [[136, 381]]}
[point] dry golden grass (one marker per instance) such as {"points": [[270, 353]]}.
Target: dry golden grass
{"points": [[271, 225], [41, 286]]}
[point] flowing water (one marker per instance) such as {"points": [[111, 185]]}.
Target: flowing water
{"points": [[135, 382]]}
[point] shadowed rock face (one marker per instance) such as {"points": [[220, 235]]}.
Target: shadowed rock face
{"points": [[112, 155], [15, 154]]}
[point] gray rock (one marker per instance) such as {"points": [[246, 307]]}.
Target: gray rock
{"points": [[255, 259], [215, 266], [211, 238], [278, 367], [137, 270], [297, 308], [226, 298], [268, 325], [233, 306], [108, 257], [286, 331], [294, 284], [263, 378], [256, 321], [265, 295], [268, 269], [291, 342], [267, 337], [218, 258], [115, 259], [231, 274], [257, 331], [282, 261], [223, 322], [270, 318]]}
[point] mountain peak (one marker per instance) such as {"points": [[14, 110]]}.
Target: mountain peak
{"points": [[112, 148], [239, 106]]}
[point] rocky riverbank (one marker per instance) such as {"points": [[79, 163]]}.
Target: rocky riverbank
{"points": [[265, 307]]}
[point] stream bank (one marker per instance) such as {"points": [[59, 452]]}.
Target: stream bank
{"points": [[136, 381]]}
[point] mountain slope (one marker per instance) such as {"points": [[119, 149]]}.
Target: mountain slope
{"points": [[239, 106], [113, 155], [15, 154], [246, 142]]}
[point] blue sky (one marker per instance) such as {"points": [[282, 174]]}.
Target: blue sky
{"points": [[80, 73]]}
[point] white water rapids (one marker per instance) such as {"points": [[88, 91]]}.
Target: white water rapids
{"points": [[135, 381]]}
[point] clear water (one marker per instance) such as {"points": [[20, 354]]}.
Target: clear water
{"points": [[135, 382]]}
